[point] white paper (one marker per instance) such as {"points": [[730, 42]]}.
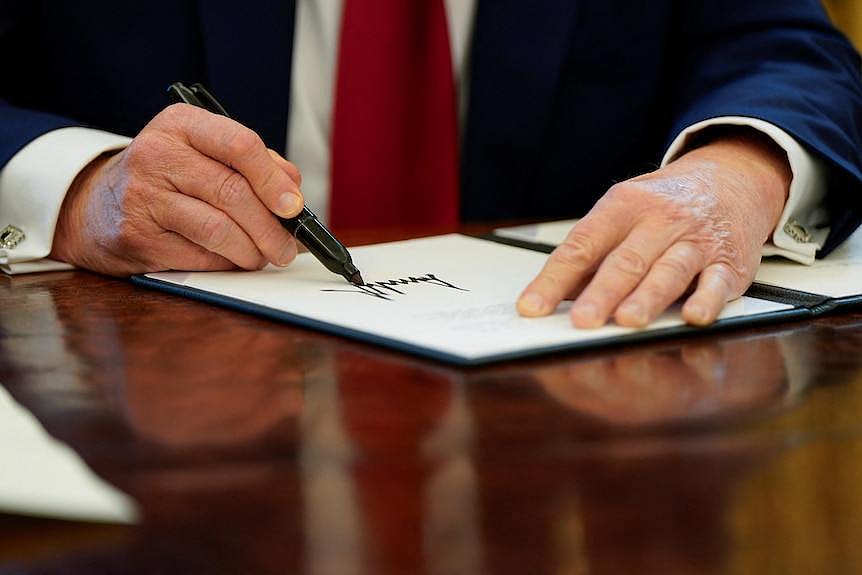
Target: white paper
{"points": [[41, 476], [464, 309], [837, 275], [549, 233]]}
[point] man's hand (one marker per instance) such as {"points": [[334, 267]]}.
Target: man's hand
{"points": [[705, 216], [193, 191]]}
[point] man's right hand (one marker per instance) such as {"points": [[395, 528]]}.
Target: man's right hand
{"points": [[193, 191]]}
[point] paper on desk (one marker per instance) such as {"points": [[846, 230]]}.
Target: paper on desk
{"points": [[453, 296], [549, 233], [43, 477], [837, 275]]}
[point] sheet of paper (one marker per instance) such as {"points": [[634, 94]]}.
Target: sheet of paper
{"points": [[43, 477], [837, 275], [450, 295], [549, 233]]}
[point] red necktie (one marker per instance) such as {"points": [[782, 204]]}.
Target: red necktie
{"points": [[395, 129]]}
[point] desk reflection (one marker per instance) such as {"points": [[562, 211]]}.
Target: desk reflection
{"points": [[635, 459], [691, 382], [256, 448]]}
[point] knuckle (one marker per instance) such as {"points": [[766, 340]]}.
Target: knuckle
{"points": [[628, 261], [620, 188], [178, 109], [732, 276], [276, 236], [652, 295], [675, 265], [578, 251], [617, 189], [214, 231], [269, 180], [173, 113], [174, 117], [232, 191], [242, 142], [295, 172], [623, 190]]}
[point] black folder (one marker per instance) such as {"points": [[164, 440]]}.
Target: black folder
{"points": [[795, 305]]}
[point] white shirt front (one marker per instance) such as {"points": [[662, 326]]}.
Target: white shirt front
{"points": [[34, 182]]}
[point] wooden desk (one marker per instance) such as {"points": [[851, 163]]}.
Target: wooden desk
{"points": [[255, 447]]}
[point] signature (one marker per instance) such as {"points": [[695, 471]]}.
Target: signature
{"points": [[386, 289]]}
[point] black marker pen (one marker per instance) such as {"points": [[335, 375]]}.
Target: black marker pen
{"points": [[305, 226]]}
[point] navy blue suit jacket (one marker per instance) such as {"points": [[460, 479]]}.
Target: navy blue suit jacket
{"points": [[566, 96]]}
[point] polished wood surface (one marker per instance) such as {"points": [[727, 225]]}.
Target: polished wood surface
{"points": [[256, 447]]}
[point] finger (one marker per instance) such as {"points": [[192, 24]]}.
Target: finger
{"points": [[714, 289], [594, 373], [229, 191], [577, 257], [654, 374], [709, 361], [289, 167], [666, 281], [620, 272], [238, 147], [579, 288], [207, 227], [177, 253]]}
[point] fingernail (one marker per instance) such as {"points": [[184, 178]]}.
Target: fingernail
{"points": [[531, 302], [288, 254], [288, 204], [634, 313]]}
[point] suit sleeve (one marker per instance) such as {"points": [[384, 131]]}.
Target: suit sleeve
{"points": [[780, 61], [19, 127], [19, 124], [40, 155]]}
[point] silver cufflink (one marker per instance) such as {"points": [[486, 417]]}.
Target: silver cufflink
{"points": [[10, 237], [796, 231]]}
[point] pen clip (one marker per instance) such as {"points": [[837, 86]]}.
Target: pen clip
{"points": [[179, 93], [196, 95], [208, 100]]}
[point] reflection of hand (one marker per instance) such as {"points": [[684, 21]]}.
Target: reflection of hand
{"points": [[707, 214], [193, 191], [649, 387], [197, 399], [220, 412]]}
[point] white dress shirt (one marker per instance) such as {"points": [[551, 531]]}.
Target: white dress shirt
{"points": [[34, 182]]}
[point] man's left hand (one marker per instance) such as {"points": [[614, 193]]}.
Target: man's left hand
{"points": [[703, 217]]}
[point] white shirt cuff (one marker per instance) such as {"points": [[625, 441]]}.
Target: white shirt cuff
{"points": [[803, 225], [32, 187]]}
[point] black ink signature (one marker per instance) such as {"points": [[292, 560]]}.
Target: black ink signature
{"points": [[385, 289]]}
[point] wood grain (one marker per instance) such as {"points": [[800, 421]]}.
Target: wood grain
{"points": [[257, 447]]}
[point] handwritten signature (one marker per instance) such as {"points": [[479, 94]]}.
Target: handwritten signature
{"points": [[385, 289]]}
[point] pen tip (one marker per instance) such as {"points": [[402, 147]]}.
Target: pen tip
{"points": [[356, 279]]}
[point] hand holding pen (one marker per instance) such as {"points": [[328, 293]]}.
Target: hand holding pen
{"points": [[304, 226], [192, 191]]}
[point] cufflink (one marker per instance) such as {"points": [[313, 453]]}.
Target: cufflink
{"points": [[797, 231], [10, 236]]}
